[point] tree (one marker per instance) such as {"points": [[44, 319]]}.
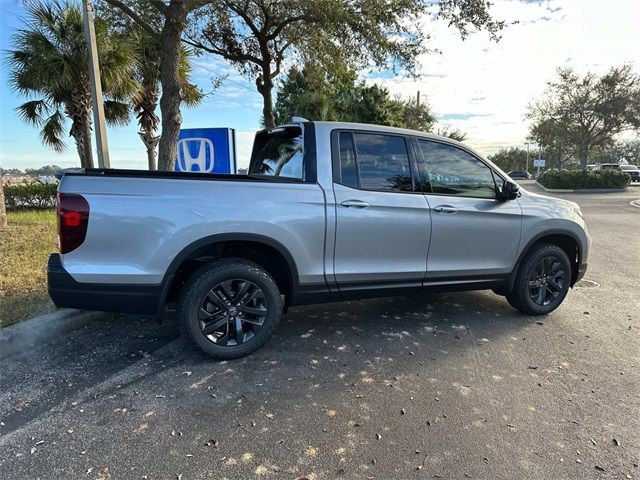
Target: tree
{"points": [[45, 170], [50, 60], [556, 143], [622, 151], [513, 158], [578, 114], [452, 133], [11, 171], [258, 36], [145, 100], [319, 95], [166, 22]]}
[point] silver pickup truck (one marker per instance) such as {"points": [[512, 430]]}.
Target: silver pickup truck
{"points": [[327, 212]]}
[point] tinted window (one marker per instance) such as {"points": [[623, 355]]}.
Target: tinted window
{"points": [[452, 171], [278, 153], [349, 173], [383, 162]]}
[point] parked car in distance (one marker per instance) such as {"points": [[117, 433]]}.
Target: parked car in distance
{"points": [[607, 166], [519, 174], [327, 212], [632, 170]]}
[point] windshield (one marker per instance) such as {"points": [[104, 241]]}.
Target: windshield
{"points": [[278, 153]]}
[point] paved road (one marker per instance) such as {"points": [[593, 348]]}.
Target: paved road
{"points": [[441, 386]]}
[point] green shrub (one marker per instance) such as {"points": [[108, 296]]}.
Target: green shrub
{"points": [[30, 195], [582, 179]]}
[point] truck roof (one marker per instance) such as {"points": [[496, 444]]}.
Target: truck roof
{"points": [[377, 128]]}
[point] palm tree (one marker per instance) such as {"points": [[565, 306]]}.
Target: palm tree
{"points": [[145, 100], [49, 61]]}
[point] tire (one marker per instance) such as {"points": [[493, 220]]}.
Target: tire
{"points": [[229, 308], [542, 281]]}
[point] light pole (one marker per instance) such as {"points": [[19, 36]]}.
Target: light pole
{"points": [[96, 86], [526, 169]]}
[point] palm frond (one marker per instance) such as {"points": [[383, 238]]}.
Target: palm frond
{"points": [[52, 130], [191, 95], [32, 111], [116, 113]]}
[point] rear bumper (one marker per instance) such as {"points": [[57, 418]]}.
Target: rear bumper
{"points": [[66, 292]]}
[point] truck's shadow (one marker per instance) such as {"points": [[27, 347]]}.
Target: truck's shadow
{"points": [[425, 326]]}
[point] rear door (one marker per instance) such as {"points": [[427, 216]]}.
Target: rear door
{"points": [[382, 219], [475, 236]]}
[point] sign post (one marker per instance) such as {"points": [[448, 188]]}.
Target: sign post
{"points": [[96, 85], [539, 163]]}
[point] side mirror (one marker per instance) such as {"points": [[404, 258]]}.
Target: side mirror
{"points": [[509, 191]]}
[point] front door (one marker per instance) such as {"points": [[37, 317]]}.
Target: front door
{"points": [[475, 235], [382, 221]]}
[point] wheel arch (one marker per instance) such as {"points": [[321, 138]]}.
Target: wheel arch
{"points": [[265, 251], [565, 239]]}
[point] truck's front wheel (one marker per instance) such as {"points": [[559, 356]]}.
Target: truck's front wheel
{"points": [[543, 280], [229, 308]]}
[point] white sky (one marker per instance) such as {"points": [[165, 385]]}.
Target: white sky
{"points": [[478, 86]]}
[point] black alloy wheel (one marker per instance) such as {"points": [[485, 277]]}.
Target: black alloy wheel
{"points": [[229, 307], [233, 312], [547, 280]]}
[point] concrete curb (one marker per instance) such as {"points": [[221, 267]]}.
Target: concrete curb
{"points": [[581, 190], [43, 329]]}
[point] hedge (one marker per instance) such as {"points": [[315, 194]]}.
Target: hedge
{"points": [[582, 179], [30, 195]]}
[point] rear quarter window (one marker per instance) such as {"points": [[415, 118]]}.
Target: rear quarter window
{"points": [[278, 152]]}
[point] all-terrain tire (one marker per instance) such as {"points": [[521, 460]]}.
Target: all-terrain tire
{"points": [[222, 275]]}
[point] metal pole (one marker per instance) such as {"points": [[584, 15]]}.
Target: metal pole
{"points": [[526, 169], [96, 86], [418, 99]]}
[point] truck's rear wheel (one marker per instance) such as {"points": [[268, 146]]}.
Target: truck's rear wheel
{"points": [[229, 308], [542, 281]]}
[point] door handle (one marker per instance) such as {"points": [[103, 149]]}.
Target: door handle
{"points": [[354, 204], [445, 209]]}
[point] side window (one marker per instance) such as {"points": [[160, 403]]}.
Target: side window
{"points": [[348, 170], [383, 162], [452, 171]]}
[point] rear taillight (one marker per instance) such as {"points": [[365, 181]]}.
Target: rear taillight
{"points": [[73, 219]]}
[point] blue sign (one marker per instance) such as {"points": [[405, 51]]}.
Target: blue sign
{"points": [[207, 150]]}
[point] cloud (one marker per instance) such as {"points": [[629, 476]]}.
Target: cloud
{"points": [[484, 88], [462, 116]]}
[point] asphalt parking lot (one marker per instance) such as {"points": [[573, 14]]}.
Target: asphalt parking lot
{"points": [[442, 386]]}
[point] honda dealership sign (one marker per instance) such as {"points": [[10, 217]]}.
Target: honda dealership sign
{"points": [[206, 150]]}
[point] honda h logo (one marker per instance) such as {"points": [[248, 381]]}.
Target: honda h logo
{"points": [[195, 151]]}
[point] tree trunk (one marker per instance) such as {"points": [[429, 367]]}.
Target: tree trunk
{"points": [[265, 88], [150, 142], [171, 91], [267, 109], [86, 144], [81, 133], [79, 110], [76, 133], [583, 155], [3, 208]]}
